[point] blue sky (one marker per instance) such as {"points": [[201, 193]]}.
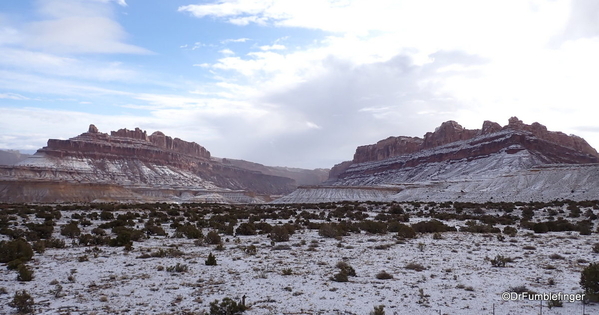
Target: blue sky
{"points": [[293, 83]]}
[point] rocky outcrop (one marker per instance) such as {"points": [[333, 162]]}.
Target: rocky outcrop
{"points": [[138, 166], [516, 162], [533, 136]]}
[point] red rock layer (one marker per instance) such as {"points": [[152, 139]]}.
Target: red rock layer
{"points": [[451, 131]]}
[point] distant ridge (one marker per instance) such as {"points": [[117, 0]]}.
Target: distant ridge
{"points": [[516, 162], [130, 165]]}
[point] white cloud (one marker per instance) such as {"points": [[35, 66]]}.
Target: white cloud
{"points": [[13, 96], [74, 26], [273, 47], [236, 40], [226, 51]]}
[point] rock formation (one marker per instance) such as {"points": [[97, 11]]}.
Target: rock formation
{"points": [[130, 165], [516, 162], [450, 132]]}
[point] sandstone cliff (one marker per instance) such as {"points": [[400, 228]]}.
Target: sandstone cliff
{"points": [[516, 162], [134, 166], [450, 132]]}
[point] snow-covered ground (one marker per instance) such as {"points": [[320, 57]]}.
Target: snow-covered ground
{"points": [[458, 277]]}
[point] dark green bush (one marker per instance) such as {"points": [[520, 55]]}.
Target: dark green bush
{"points": [[378, 310], [23, 302], [431, 226], [15, 249], [70, 230], [383, 275], [246, 229], [211, 261], [341, 276], [212, 238], [405, 231], [190, 231], [589, 280], [279, 234], [54, 243], [346, 268], [25, 274], [226, 307], [511, 231], [373, 227]]}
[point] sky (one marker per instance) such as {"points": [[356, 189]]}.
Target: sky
{"points": [[294, 83]]}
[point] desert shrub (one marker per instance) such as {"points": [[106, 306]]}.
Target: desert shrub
{"points": [[554, 303], [39, 246], [177, 268], [346, 268], [13, 264], [89, 240], [25, 274], [415, 266], [152, 229], [596, 248], [341, 276], [431, 226], [124, 236], [279, 234], [511, 231], [190, 231], [378, 310], [556, 256], [70, 230], [212, 238], [251, 250], [287, 272], [500, 261], [15, 249], [246, 229], [211, 260], [329, 230], [405, 231], [263, 227], [383, 275], [373, 227], [226, 307], [23, 302], [43, 230], [54, 243], [589, 280], [474, 227]]}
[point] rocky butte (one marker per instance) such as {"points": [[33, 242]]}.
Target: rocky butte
{"points": [[130, 165], [516, 162]]}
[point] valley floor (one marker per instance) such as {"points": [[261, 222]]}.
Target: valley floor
{"points": [[457, 276]]}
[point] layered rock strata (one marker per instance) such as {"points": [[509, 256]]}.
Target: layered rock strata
{"points": [[130, 165], [456, 163]]}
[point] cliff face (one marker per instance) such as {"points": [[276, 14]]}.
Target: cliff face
{"points": [[140, 167], [451, 132], [516, 162]]}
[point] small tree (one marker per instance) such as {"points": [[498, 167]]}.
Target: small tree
{"points": [[25, 274], [23, 302], [15, 249], [70, 230], [226, 307], [589, 280], [378, 310], [211, 261]]}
